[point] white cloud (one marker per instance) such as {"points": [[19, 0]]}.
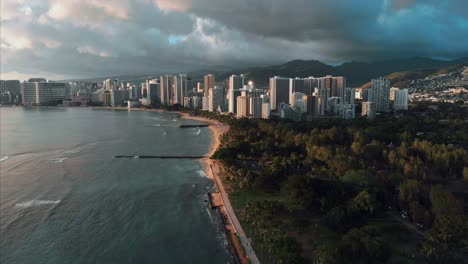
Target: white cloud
{"points": [[51, 43]]}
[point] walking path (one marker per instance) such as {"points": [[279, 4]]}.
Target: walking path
{"points": [[232, 216]]}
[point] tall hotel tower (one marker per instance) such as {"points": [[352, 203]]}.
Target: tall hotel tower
{"points": [[209, 83], [235, 84], [279, 91]]}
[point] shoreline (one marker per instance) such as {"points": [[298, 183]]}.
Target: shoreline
{"points": [[217, 128], [239, 242]]}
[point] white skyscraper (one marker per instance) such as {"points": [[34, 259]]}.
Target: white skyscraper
{"points": [[206, 103], [401, 100], [392, 93], [235, 83], [216, 98], [242, 106], [209, 82], [266, 110], [166, 89], [180, 88]]}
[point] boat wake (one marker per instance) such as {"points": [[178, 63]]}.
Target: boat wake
{"points": [[4, 158], [34, 203]]}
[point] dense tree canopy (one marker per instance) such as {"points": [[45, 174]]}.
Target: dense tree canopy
{"points": [[347, 172]]}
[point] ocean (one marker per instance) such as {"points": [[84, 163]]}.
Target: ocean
{"points": [[65, 198]]}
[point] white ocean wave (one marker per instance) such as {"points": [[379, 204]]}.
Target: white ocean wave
{"points": [[202, 174], [34, 203], [58, 160]]}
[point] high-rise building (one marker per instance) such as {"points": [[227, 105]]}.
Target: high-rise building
{"points": [[135, 92], [368, 109], [206, 103], [255, 107], [334, 105], [109, 84], [216, 98], [197, 102], [51, 93], [380, 94], [295, 86], [166, 89], [312, 104], [338, 86], [366, 94], [153, 91], [392, 93], [28, 93], [235, 84], [209, 81], [242, 106], [279, 91], [295, 99], [118, 97], [331, 86], [349, 95], [180, 88], [188, 102], [12, 86], [324, 94], [106, 98], [311, 84], [200, 87], [266, 110], [346, 111], [10, 89], [400, 101]]}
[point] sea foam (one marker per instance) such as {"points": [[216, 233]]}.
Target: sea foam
{"points": [[34, 203], [202, 174]]}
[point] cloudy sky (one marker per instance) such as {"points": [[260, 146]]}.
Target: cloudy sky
{"points": [[60, 39]]}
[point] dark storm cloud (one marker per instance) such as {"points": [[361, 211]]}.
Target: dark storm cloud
{"points": [[95, 37]]}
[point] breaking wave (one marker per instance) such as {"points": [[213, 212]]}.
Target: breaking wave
{"points": [[34, 203], [202, 174]]}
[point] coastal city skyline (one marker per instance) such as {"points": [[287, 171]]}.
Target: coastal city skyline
{"points": [[233, 131]]}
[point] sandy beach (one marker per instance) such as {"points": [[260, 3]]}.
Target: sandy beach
{"points": [[217, 129]]}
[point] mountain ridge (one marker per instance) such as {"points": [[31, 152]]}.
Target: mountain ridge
{"points": [[357, 73]]}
